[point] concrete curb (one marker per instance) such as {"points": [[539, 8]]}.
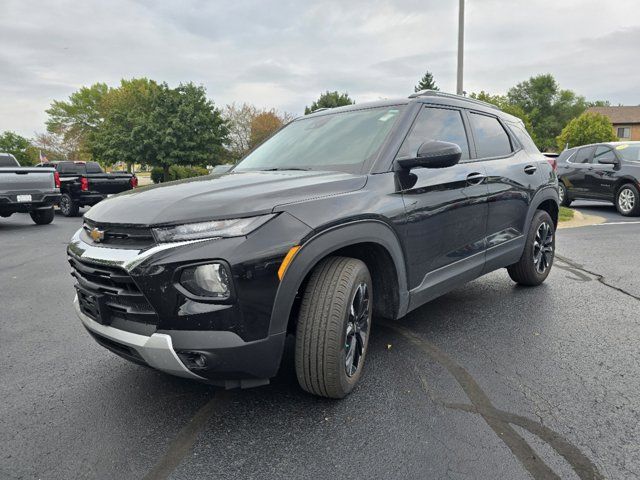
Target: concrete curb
{"points": [[581, 220]]}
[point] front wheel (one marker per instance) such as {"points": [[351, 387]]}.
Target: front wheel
{"points": [[563, 196], [537, 258], [333, 327], [628, 200], [42, 216]]}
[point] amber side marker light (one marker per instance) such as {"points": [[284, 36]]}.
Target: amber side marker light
{"points": [[287, 260]]}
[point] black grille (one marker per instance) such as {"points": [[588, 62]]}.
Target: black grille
{"points": [[107, 293], [119, 235]]}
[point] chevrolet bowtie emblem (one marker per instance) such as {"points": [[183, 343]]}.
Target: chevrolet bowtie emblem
{"points": [[96, 235]]}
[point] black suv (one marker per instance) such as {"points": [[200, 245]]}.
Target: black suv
{"points": [[344, 214], [603, 171]]}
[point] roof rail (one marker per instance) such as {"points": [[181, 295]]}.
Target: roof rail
{"points": [[320, 110], [437, 93]]}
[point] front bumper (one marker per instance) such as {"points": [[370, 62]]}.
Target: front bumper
{"points": [[156, 350], [231, 362]]}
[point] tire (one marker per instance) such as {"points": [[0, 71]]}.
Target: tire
{"points": [[326, 332], [535, 264], [68, 207], [628, 200], [563, 195], [42, 216]]}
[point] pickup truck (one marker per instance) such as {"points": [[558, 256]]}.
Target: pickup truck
{"points": [[27, 190], [85, 184]]}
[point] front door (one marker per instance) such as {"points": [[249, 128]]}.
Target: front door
{"points": [[446, 210]]}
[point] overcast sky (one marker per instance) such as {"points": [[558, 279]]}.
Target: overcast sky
{"points": [[283, 54]]}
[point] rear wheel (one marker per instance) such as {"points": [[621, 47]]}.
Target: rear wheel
{"points": [[628, 200], [68, 207], [42, 216], [537, 258], [333, 327], [563, 197]]}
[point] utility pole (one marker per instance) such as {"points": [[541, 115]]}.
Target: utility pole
{"points": [[459, 89]]}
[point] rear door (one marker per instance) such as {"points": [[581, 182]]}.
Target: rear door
{"points": [[513, 175], [446, 209], [600, 177], [575, 178]]}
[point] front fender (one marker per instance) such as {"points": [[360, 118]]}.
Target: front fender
{"points": [[323, 244]]}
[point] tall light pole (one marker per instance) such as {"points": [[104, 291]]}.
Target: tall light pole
{"points": [[459, 89]]}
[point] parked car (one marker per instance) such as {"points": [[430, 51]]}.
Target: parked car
{"points": [[85, 184], [27, 190], [359, 212], [602, 171]]}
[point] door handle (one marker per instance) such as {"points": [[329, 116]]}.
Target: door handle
{"points": [[530, 169], [475, 178]]}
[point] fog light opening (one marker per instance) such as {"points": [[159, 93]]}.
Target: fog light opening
{"points": [[193, 360]]}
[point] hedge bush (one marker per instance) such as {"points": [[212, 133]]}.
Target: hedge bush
{"points": [[177, 172]]}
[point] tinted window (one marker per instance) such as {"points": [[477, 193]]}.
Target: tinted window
{"points": [[93, 167], [583, 155], [566, 155], [7, 160], [524, 138], [491, 138], [71, 167], [435, 124], [603, 153]]}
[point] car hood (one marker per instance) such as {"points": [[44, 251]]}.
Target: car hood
{"points": [[229, 195]]}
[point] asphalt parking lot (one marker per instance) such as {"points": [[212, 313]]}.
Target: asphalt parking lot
{"points": [[489, 381]]}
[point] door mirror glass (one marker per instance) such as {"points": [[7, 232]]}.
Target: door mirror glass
{"points": [[433, 154]]}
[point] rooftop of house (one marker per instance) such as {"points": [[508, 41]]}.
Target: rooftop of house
{"points": [[619, 115]]}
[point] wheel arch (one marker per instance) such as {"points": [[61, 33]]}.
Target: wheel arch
{"points": [[547, 200], [623, 181], [372, 241]]}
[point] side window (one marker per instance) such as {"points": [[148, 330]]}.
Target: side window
{"points": [[583, 155], [435, 124], [524, 138], [603, 153], [491, 138]]}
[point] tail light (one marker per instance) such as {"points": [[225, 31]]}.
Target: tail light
{"points": [[134, 181], [56, 179], [84, 184], [553, 163]]}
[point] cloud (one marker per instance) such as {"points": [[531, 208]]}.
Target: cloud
{"points": [[283, 54]]}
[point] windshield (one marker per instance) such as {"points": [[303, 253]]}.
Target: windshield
{"points": [[339, 141], [629, 152]]}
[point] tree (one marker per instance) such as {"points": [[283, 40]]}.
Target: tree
{"points": [[239, 119], [426, 83], [183, 127], [265, 124], [121, 136], [548, 107], [77, 118], [56, 147], [329, 100], [19, 147], [590, 127]]}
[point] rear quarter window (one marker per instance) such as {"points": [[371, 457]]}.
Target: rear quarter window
{"points": [[491, 138]]}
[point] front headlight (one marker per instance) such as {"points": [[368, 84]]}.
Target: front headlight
{"points": [[238, 227]]}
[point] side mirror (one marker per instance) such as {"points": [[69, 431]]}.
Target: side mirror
{"points": [[608, 161], [433, 154]]}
